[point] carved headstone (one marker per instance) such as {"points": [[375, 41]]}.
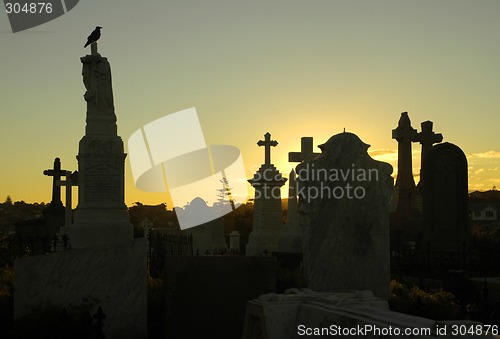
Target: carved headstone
{"points": [[445, 189], [344, 200]]}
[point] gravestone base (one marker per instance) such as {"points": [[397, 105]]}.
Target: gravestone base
{"points": [[112, 276], [308, 314], [259, 242], [83, 235], [99, 226], [206, 296], [101, 216]]}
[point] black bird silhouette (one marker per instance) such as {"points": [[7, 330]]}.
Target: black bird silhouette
{"points": [[94, 36]]}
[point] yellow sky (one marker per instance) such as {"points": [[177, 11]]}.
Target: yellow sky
{"points": [[289, 68]]}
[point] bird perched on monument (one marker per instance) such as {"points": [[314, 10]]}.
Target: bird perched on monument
{"points": [[94, 36]]}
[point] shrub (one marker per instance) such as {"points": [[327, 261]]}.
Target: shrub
{"points": [[440, 305]]}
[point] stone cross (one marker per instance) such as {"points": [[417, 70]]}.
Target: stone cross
{"points": [[56, 173], [404, 134], [147, 225], [71, 180], [99, 317], [427, 138], [267, 143], [306, 151]]}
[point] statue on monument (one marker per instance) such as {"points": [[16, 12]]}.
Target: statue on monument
{"points": [[96, 74]]}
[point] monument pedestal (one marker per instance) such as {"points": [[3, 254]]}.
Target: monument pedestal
{"points": [[112, 276], [267, 226], [92, 234]]}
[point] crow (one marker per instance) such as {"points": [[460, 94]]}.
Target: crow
{"points": [[94, 36]]}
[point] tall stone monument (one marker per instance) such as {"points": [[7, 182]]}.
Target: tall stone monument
{"points": [[344, 201], [105, 267], [101, 216], [267, 225]]}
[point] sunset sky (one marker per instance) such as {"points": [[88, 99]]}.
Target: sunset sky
{"points": [[291, 68]]}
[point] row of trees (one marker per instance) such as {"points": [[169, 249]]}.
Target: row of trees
{"points": [[13, 212]]}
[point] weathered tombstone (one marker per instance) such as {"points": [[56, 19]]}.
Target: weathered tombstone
{"points": [[344, 200], [267, 224], [445, 190]]}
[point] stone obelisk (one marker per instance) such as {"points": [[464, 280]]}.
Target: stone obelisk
{"points": [[101, 216]]}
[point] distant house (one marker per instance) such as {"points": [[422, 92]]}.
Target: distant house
{"points": [[485, 213]]}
